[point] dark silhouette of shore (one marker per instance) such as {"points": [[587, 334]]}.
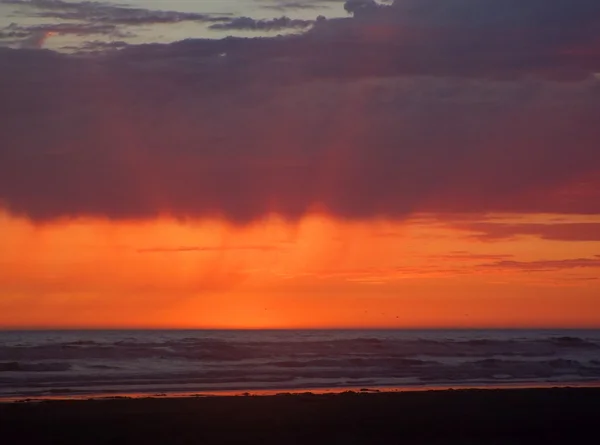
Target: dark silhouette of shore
{"points": [[482, 417]]}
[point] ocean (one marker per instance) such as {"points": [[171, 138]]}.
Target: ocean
{"points": [[79, 363]]}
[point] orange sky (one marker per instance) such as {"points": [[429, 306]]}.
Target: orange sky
{"points": [[320, 272]]}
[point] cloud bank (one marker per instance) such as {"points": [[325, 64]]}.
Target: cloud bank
{"points": [[250, 24], [428, 106], [490, 231], [106, 13], [88, 18]]}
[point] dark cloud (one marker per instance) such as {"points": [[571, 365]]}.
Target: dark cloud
{"points": [[250, 24], [355, 117], [34, 36], [86, 19], [579, 231], [543, 265], [100, 17], [150, 131], [462, 256], [482, 15], [100, 12], [574, 267], [473, 37], [22, 38], [80, 29], [364, 7], [100, 46], [185, 249], [295, 5]]}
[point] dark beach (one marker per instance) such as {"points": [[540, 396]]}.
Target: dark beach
{"points": [[473, 416]]}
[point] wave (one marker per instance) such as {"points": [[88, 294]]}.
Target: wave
{"points": [[573, 342], [321, 368], [220, 350], [353, 362], [34, 367], [101, 360]]}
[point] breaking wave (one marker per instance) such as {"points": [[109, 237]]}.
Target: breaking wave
{"points": [[50, 362], [34, 367]]}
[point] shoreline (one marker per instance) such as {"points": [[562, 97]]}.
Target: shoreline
{"points": [[316, 390], [451, 417]]}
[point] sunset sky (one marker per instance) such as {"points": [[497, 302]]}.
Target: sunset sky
{"points": [[243, 164]]}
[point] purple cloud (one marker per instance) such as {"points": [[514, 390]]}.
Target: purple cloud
{"points": [[384, 115]]}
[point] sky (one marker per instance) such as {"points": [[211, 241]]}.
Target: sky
{"points": [[299, 164]]}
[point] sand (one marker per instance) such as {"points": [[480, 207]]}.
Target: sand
{"points": [[500, 416]]}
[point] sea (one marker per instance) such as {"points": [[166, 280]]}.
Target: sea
{"points": [[162, 362]]}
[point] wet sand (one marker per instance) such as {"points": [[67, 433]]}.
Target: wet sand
{"points": [[474, 416]]}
